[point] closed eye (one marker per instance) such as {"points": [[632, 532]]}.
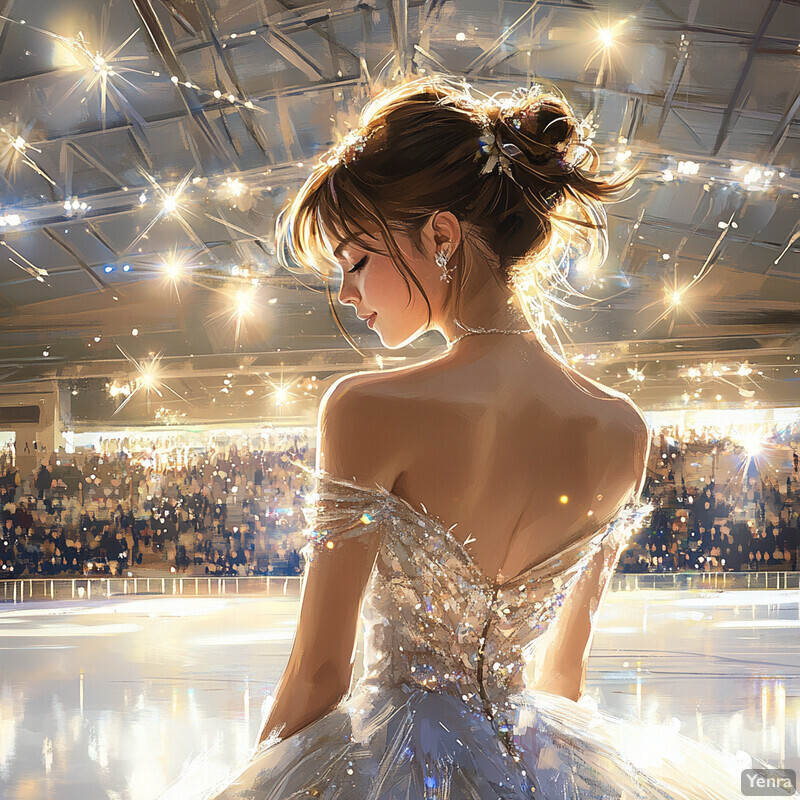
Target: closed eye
{"points": [[358, 266]]}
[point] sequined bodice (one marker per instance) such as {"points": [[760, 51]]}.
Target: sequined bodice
{"points": [[432, 618]]}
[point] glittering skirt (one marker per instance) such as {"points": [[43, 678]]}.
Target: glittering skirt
{"points": [[404, 743]]}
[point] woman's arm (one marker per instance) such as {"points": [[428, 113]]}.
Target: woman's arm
{"points": [[560, 664], [321, 663], [320, 666]]}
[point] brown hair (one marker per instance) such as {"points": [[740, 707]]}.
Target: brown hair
{"points": [[506, 167]]}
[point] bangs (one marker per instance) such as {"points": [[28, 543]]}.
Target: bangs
{"points": [[301, 243], [329, 209]]}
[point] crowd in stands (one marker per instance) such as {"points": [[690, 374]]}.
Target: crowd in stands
{"points": [[226, 511], [752, 523], [237, 510]]}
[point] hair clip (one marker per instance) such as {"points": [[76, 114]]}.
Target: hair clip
{"points": [[497, 154], [553, 198], [572, 156], [351, 144]]}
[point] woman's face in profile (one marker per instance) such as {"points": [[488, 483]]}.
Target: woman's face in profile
{"points": [[376, 289]]}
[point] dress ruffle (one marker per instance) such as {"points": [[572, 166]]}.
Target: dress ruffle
{"points": [[401, 743], [384, 743]]}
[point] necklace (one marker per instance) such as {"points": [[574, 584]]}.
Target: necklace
{"points": [[473, 331]]}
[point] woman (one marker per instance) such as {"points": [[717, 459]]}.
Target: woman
{"points": [[469, 509]]}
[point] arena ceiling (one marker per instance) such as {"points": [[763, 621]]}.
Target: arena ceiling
{"points": [[146, 146]]}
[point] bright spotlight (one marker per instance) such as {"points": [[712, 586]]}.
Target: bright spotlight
{"points": [[606, 37], [170, 204], [233, 187], [752, 445], [172, 270], [244, 304]]}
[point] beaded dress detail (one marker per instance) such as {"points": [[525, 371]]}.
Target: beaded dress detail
{"points": [[442, 710]]}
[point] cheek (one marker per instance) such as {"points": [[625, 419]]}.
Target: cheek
{"points": [[386, 288]]}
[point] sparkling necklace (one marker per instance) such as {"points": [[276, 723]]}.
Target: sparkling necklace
{"points": [[473, 331]]}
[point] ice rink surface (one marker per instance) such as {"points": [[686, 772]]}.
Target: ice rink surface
{"points": [[113, 699]]}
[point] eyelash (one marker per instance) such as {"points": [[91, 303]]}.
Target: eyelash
{"points": [[358, 266]]}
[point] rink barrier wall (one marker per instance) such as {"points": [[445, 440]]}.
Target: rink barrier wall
{"points": [[704, 581], [21, 590]]}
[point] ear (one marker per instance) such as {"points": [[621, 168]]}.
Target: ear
{"points": [[445, 228]]}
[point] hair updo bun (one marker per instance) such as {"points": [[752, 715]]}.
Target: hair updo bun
{"points": [[541, 127], [544, 149], [506, 166]]}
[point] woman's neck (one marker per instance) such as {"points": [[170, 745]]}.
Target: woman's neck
{"points": [[485, 301], [489, 315]]}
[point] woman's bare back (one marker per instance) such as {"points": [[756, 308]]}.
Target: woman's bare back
{"points": [[514, 448]]}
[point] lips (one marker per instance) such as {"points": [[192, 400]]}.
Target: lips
{"points": [[370, 318]]}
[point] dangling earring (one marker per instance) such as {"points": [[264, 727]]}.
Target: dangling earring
{"points": [[441, 261]]}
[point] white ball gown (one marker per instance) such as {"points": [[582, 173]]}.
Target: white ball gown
{"points": [[442, 710]]}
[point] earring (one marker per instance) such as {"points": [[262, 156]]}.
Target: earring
{"points": [[441, 262]]}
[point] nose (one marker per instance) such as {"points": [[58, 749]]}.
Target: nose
{"points": [[348, 294]]}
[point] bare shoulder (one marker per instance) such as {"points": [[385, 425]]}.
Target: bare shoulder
{"points": [[629, 435], [344, 390], [625, 431], [355, 434], [356, 394], [614, 407], [627, 418]]}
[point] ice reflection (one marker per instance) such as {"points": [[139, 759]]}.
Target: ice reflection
{"points": [[726, 664], [8, 727], [119, 711], [134, 692], [230, 640], [65, 630]]}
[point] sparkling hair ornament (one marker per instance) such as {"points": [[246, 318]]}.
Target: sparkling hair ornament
{"points": [[498, 155], [351, 144]]}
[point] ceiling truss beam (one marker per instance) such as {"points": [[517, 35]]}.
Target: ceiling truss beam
{"points": [[730, 115], [163, 50]]}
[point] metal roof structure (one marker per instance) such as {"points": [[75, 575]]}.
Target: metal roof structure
{"points": [[147, 145]]}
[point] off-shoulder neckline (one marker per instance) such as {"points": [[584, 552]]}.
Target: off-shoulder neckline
{"points": [[628, 509]]}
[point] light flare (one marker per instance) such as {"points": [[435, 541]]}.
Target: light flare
{"points": [[172, 270], [675, 294], [148, 380], [173, 205], [98, 69], [606, 37], [606, 43], [16, 152]]}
